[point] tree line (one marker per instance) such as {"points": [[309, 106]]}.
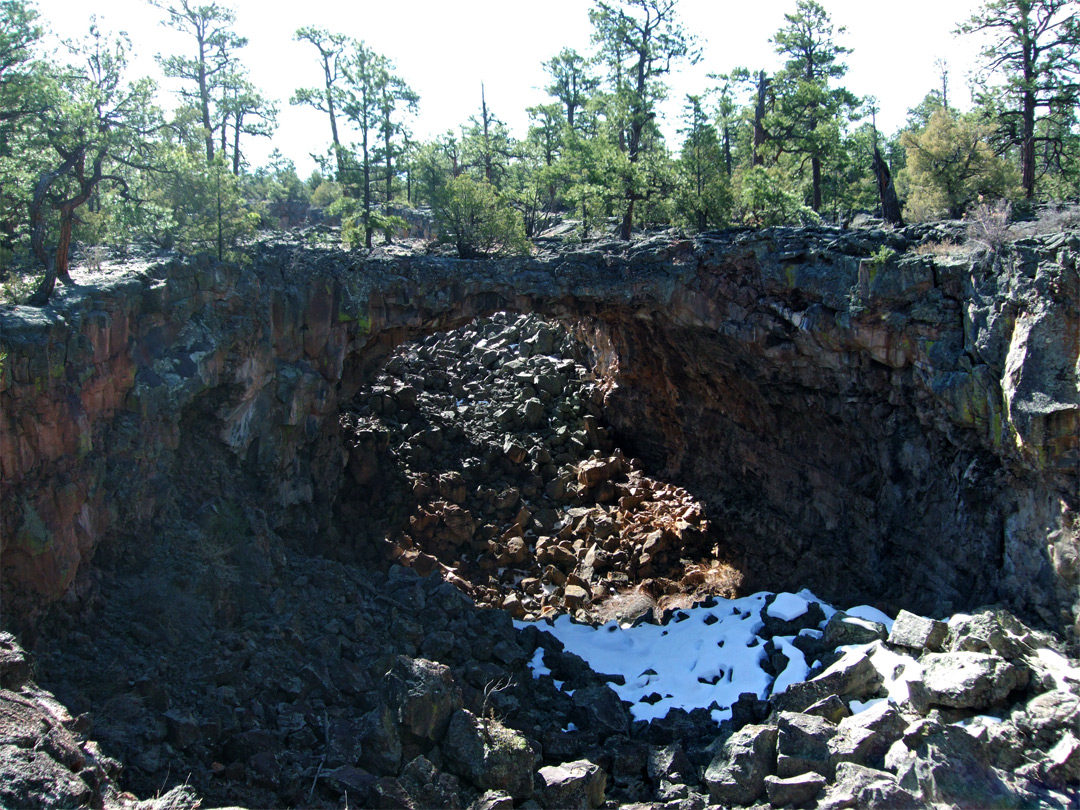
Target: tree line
{"points": [[85, 155]]}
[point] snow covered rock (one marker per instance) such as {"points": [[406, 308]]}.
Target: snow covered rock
{"points": [[843, 630], [853, 676], [493, 800]]}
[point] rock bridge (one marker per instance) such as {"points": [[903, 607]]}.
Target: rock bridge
{"points": [[900, 429]]}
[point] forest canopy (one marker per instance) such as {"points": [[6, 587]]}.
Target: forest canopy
{"points": [[89, 160]]}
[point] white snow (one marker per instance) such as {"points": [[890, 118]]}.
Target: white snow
{"points": [[896, 668], [796, 670], [536, 663], [705, 657], [788, 606], [1059, 667], [871, 614], [860, 706]]}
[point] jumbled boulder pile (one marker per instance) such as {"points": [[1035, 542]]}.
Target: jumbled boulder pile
{"points": [[486, 454], [978, 711]]}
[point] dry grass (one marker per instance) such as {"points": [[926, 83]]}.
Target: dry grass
{"points": [[944, 248], [989, 225], [1055, 219]]}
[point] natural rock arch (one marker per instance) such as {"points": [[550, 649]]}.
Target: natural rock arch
{"points": [[869, 429]]}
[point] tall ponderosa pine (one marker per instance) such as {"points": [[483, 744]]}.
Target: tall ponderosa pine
{"points": [[572, 82], [639, 41], [809, 114], [211, 28], [333, 49], [486, 145], [703, 198], [365, 72], [395, 98], [96, 126], [1036, 45]]}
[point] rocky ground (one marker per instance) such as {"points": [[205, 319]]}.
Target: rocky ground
{"points": [[222, 665]]}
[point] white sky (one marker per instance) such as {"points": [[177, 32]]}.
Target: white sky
{"points": [[445, 48]]}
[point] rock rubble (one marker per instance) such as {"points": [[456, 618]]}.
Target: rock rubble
{"points": [[485, 455]]}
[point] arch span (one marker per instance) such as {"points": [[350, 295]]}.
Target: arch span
{"points": [[901, 431]]}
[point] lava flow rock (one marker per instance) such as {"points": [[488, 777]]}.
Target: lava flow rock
{"points": [[483, 454]]}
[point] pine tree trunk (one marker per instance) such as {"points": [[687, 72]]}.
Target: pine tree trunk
{"points": [[815, 168], [63, 245], [760, 135], [1027, 148], [890, 205]]}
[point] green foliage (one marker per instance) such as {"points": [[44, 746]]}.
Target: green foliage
{"points": [[765, 199], [809, 117], [950, 166], [477, 221], [325, 194], [703, 193], [1034, 45], [882, 256], [209, 212], [639, 42]]}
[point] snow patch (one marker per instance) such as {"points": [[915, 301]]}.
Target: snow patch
{"points": [[870, 614], [787, 607]]}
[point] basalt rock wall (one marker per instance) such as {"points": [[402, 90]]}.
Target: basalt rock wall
{"points": [[902, 431]]}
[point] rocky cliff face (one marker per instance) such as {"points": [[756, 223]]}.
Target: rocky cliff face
{"points": [[903, 431]]}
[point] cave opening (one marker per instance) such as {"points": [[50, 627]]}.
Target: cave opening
{"points": [[610, 454], [486, 454]]}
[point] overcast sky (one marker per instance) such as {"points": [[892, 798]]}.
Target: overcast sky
{"points": [[445, 48]]}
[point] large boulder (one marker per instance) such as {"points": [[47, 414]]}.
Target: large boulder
{"points": [[842, 630], [424, 696], [884, 721], [803, 744], [577, 785], [967, 680], [380, 744], [917, 632], [795, 790], [489, 755], [868, 789], [1045, 716], [737, 773], [950, 767], [600, 709]]}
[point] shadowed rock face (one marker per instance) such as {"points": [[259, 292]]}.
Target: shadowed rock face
{"points": [[903, 433]]}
